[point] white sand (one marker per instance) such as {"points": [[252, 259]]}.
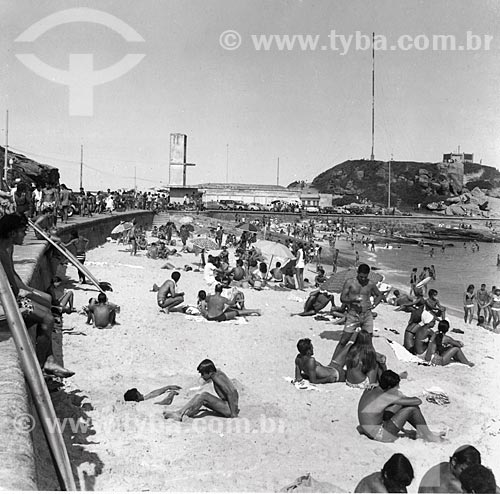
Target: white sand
{"points": [[305, 431]]}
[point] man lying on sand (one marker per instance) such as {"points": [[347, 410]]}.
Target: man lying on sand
{"points": [[102, 313], [167, 297], [396, 475], [387, 398], [443, 477], [316, 302], [134, 394], [225, 404], [307, 367]]}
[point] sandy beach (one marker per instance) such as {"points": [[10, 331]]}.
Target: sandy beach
{"points": [[282, 432]]}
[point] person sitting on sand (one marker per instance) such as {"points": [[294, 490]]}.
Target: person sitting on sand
{"points": [[63, 301], [316, 302], [289, 275], [153, 251], [363, 363], [276, 273], [225, 404], [396, 475], [134, 395], [481, 323], [258, 277], [443, 477], [400, 299], [356, 294], [374, 403], [422, 335], [103, 313], [238, 273], [320, 278], [478, 479], [307, 367], [168, 297], [210, 271], [35, 305], [433, 306], [220, 308], [443, 349]]}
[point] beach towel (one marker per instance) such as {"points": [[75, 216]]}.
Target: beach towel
{"points": [[437, 396], [304, 384], [404, 355], [306, 483], [238, 320]]}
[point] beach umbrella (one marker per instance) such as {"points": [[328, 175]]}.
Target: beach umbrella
{"points": [[249, 227], [186, 219], [205, 243], [123, 226], [274, 249], [335, 283]]}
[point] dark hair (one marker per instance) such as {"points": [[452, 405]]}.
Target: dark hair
{"points": [[478, 479], [10, 223], [397, 473], [396, 292], [278, 265], [388, 380], [239, 262], [263, 267], [467, 455], [133, 395], [362, 352], [470, 287], [443, 327], [202, 294], [176, 276], [206, 367], [304, 345], [363, 269], [218, 288], [74, 234], [102, 297], [480, 320], [432, 292]]}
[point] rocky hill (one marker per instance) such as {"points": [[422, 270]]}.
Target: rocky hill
{"points": [[28, 170], [412, 182]]}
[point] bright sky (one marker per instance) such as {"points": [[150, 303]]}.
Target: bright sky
{"points": [[310, 108]]}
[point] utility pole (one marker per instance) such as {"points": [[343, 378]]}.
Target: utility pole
{"points": [[227, 163], [278, 172], [135, 178], [372, 157], [389, 186], [6, 152], [81, 166]]}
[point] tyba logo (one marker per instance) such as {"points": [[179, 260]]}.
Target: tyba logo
{"points": [[80, 76]]}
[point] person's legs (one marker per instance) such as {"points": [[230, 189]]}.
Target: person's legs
{"points": [[171, 302], [67, 300], [193, 406], [412, 415], [249, 312], [339, 359], [456, 354]]}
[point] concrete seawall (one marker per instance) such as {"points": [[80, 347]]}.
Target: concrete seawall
{"points": [[20, 451]]}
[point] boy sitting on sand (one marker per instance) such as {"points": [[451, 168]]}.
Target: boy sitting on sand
{"points": [[386, 397], [103, 313], [225, 404]]}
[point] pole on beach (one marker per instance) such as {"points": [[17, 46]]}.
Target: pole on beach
{"points": [[81, 166], [6, 153], [372, 157], [36, 383], [227, 163], [278, 172]]}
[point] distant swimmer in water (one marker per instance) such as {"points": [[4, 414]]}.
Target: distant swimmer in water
{"points": [[431, 252], [498, 259]]}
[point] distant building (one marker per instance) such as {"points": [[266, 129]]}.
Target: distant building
{"points": [[454, 157]]}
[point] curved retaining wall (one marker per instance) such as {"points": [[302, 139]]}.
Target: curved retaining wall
{"points": [[18, 465]]}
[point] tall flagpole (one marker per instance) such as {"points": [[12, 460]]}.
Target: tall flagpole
{"points": [[81, 166], [227, 163], [372, 157]]}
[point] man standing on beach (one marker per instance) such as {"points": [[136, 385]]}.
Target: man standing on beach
{"points": [[225, 404], [167, 297], [483, 301], [357, 294]]}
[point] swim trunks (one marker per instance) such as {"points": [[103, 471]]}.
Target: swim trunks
{"points": [[363, 320], [379, 433], [366, 384], [219, 318]]}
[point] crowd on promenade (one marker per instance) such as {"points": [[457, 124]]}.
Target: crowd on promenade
{"points": [[383, 410]]}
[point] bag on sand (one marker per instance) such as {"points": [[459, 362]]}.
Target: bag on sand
{"points": [[307, 484]]}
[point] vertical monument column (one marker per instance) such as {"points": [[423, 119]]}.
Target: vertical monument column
{"points": [[178, 155]]}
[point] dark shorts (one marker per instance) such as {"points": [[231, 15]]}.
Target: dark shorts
{"points": [[219, 318]]}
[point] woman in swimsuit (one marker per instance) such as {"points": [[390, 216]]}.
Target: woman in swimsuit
{"points": [[469, 297], [495, 307], [363, 363], [443, 349]]}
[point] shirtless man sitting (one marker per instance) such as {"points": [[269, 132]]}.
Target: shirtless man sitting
{"points": [[103, 313], [167, 297], [225, 404], [307, 367], [356, 294], [375, 402], [443, 477], [220, 308], [395, 476], [316, 302]]}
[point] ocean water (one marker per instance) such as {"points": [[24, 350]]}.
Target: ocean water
{"points": [[456, 268]]}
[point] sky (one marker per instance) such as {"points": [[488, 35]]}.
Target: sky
{"points": [[245, 107]]}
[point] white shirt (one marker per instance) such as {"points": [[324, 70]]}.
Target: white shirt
{"points": [[299, 263]]}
